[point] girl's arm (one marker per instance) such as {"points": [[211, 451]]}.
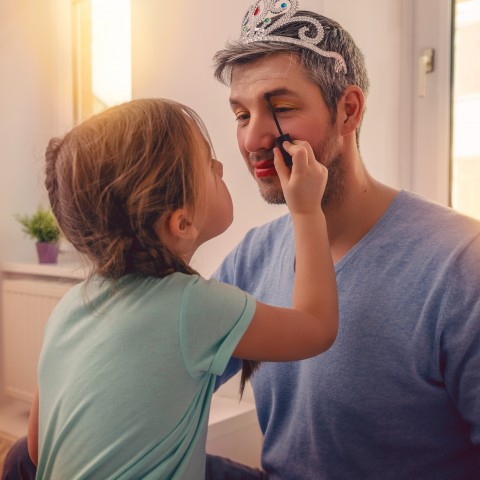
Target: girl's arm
{"points": [[33, 429], [310, 326]]}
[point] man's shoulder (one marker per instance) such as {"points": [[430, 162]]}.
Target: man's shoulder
{"points": [[259, 249], [428, 233], [421, 213], [278, 226]]}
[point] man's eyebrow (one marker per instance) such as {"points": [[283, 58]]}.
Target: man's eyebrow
{"points": [[272, 93], [279, 92], [233, 102]]}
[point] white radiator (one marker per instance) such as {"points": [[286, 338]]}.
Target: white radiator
{"points": [[27, 305]]}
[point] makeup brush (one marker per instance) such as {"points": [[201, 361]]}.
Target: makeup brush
{"points": [[283, 136]]}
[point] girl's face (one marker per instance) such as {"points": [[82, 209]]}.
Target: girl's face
{"points": [[213, 211], [214, 214]]}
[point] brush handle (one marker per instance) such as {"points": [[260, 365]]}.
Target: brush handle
{"points": [[279, 143]]}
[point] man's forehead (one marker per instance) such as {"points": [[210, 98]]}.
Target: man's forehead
{"points": [[277, 75], [268, 67]]}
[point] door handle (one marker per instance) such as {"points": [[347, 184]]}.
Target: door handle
{"points": [[426, 65]]}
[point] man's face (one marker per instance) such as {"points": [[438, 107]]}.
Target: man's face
{"points": [[301, 112]]}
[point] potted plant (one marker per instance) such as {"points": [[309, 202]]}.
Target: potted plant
{"points": [[42, 227]]}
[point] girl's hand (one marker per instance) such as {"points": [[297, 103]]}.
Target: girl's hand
{"points": [[304, 185]]}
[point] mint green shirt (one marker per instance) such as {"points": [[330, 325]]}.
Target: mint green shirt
{"points": [[126, 376]]}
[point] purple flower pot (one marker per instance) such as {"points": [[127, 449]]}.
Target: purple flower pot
{"points": [[47, 252]]}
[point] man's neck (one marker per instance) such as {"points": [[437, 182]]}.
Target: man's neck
{"points": [[365, 201]]}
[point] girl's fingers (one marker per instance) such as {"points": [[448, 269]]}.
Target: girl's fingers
{"points": [[280, 166], [299, 153], [304, 184]]}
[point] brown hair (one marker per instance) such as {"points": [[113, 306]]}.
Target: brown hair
{"points": [[112, 177]]}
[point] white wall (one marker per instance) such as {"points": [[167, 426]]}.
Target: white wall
{"points": [[24, 58], [173, 46], [35, 101], [378, 29]]}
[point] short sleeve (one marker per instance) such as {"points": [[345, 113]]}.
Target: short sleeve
{"points": [[213, 318]]}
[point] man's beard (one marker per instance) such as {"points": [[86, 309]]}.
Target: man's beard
{"points": [[334, 190]]}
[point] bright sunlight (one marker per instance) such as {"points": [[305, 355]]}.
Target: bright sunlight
{"points": [[466, 104]]}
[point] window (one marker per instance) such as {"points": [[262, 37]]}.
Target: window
{"points": [[465, 107], [101, 55]]}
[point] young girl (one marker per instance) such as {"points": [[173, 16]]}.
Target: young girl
{"points": [[129, 360]]}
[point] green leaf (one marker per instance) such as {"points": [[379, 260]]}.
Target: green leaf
{"points": [[41, 226]]}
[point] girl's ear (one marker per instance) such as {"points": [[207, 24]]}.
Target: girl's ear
{"points": [[350, 109], [176, 231], [179, 226]]}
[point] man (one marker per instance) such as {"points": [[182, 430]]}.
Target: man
{"points": [[398, 394]]}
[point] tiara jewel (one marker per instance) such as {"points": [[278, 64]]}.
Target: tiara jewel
{"points": [[265, 17]]}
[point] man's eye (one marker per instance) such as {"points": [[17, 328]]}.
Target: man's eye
{"points": [[242, 116], [282, 109]]}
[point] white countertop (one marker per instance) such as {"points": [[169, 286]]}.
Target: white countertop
{"points": [[74, 271], [228, 415]]}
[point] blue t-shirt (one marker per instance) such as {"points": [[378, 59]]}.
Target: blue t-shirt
{"points": [[126, 376], [398, 394]]}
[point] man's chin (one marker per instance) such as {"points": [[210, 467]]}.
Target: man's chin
{"points": [[272, 196]]}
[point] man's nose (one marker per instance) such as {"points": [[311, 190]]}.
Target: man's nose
{"points": [[259, 133]]}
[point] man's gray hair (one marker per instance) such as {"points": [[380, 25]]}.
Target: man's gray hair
{"points": [[320, 69]]}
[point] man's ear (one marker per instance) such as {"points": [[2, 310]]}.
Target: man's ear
{"points": [[350, 109]]}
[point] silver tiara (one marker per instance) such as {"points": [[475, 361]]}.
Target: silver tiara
{"points": [[265, 17]]}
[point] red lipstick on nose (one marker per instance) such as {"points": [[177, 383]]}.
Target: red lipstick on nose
{"points": [[284, 137]]}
